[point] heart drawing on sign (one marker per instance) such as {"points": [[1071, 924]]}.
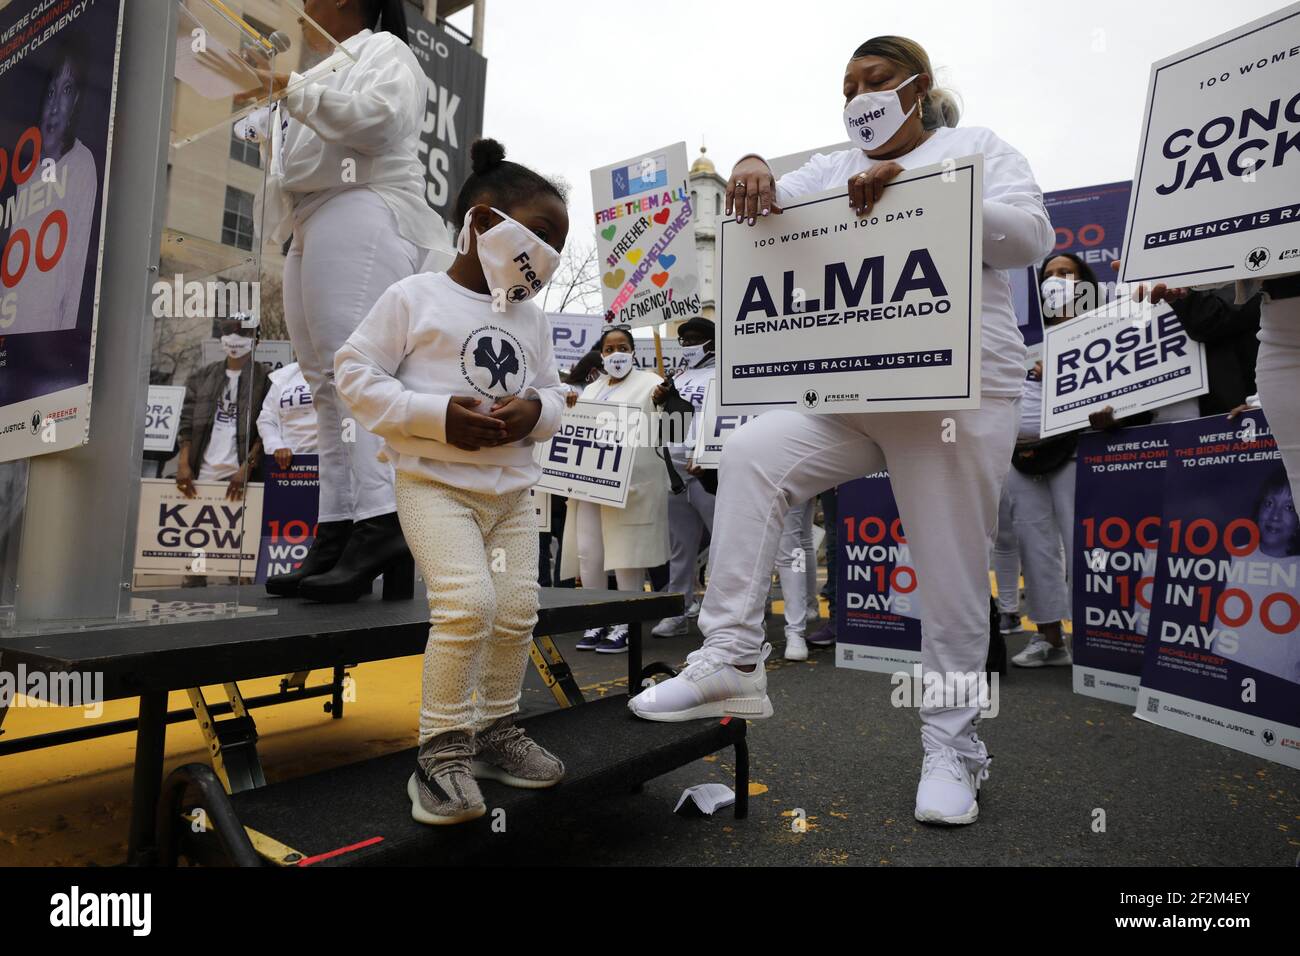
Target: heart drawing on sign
{"points": [[659, 279], [666, 261], [661, 216], [635, 256], [609, 233], [615, 279]]}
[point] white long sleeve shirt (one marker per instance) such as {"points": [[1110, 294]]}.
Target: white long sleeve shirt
{"points": [[428, 339], [1017, 230], [288, 417], [349, 125], [692, 385]]}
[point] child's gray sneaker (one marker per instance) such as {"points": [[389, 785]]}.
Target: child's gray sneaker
{"points": [[442, 789], [506, 754]]}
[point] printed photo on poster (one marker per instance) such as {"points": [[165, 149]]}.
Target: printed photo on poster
{"points": [[57, 83], [1222, 658]]}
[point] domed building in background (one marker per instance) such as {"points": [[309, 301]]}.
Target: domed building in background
{"points": [[708, 196]]}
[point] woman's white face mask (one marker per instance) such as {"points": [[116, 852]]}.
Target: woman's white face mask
{"points": [[514, 259], [693, 355], [618, 364], [872, 119], [237, 346], [1058, 298]]}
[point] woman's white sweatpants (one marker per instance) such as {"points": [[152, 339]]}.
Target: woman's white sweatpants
{"points": [[1277, 374], [478, 556], [343, 257], [795, 564], [947, 494], [1006, 556], [591, 555], [1043, 508]]}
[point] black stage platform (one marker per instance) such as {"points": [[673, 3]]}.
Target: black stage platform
{"points": [[149, 661]]}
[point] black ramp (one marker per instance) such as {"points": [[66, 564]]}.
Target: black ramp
{"points": [[359, 814]]}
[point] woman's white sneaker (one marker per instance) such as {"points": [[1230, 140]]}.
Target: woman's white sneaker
{"points": [[796, 648], [707, 687], [949, 789], [1040, 653]]}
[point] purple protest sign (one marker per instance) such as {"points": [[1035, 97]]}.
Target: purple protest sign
{"points": [[1119, 501], [289, 507], [1222, 660], [877, 603]]}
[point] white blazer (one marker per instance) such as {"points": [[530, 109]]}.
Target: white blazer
{"points": [[635, 536]]}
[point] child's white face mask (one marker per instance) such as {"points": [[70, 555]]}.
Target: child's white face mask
{"points": [[514, 259]]}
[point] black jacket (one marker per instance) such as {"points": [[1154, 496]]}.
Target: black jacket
{"points": [[203, 392], [1231, 346]]}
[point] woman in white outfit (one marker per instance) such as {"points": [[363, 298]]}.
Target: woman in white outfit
{"points": [[690, 510], [1040, 485], [796, 569], [599, 539], [947, 491], [347, 182]]}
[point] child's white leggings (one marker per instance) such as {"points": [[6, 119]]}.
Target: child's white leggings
{"points": [[478, 556]]}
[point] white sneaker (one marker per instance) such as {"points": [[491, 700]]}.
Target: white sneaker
{"points": [[949, 789], [1009, 623], [1039, 653], [707, 687], [694, 610], [672, 627], [796, 648]]}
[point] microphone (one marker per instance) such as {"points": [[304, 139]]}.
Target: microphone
{"points": [[279, 40]]}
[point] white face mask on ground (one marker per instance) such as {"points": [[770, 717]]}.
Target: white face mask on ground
{"points": [[514, 259], [618, 364], [872, 119], [237, 346]]}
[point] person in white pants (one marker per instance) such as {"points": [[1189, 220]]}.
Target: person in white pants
{"points": [[599, 539], [1005, 561], [796, 568], [947, 491], [1040, 486], [346, 180], [690, 511], [1277, 371]]}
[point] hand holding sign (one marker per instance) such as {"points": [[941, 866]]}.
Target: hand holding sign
{"points": [[751, 191], [865, 189]]}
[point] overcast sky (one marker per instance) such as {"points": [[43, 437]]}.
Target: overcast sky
{"points": [[574, 84]]}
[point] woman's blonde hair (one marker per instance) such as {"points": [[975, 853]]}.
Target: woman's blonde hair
{"points": [[940, 107]]}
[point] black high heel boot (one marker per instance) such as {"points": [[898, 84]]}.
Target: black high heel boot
{"points": [[324, 553], [376, 547]]}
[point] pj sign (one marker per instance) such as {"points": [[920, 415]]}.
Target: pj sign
{"points": [[822, 312]]}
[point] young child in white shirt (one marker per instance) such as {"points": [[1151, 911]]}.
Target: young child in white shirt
{"points": [[456, 373]]}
